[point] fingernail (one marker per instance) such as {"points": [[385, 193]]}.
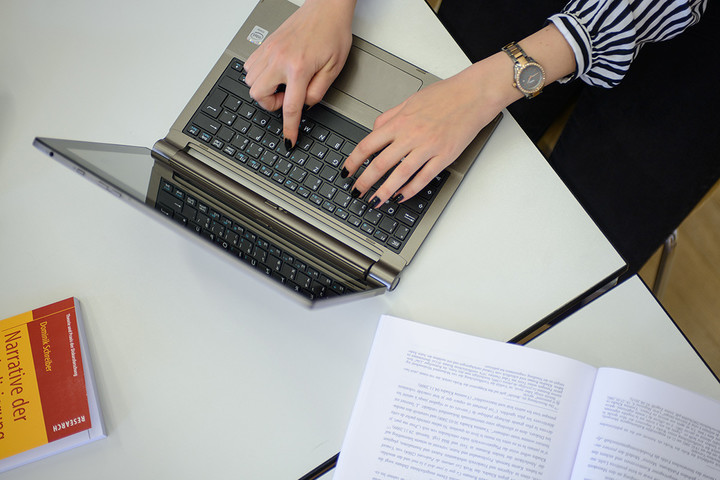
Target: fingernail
{"points": [[374, 202], [344, 173], [288, 144], [355, 193], [399, 198]]}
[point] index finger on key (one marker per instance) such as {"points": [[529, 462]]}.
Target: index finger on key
{"points": [[292, 109]]}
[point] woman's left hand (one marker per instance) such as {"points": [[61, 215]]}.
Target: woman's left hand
{"points": [[427, 132]]}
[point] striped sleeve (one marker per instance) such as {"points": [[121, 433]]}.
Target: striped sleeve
{"points": [[606, 35]]}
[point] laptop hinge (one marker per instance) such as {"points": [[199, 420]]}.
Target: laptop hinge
{"points": [[385, 273], [275, 219]]}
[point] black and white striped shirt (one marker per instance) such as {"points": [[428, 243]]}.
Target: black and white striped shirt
{"points": [[606, 35]]}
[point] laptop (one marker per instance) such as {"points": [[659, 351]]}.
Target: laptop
{"points": [[223, 177]]}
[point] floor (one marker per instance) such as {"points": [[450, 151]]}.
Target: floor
{"points": [[692, 294]]}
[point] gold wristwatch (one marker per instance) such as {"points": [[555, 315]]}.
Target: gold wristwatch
{"points": [[529, 76]]}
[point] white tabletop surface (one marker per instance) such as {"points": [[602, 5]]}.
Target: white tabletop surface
{"points": [[201, 372], [627, 328]]}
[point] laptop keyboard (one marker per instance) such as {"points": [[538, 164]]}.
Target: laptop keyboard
{"points": [[232, 123], [228, 233]]}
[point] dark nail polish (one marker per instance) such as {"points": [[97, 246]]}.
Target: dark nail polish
{"points": [[288, 144], [374, 202], [399, 198], [344, 173], [355, 193]]}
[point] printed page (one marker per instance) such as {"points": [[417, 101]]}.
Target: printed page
{"points": [[436, 404], [639, 427]]}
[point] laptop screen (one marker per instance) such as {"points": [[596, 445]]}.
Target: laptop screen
{"points": [[129, 170]]}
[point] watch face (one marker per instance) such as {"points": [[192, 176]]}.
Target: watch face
{"points": [[531, 78]]}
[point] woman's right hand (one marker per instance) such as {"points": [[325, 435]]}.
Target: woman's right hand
{"points": [[305, 55]]}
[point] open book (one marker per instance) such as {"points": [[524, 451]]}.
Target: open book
{"points": [[436, 404]]}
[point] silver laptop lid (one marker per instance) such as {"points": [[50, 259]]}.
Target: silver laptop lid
{"points": [[135, 175]]}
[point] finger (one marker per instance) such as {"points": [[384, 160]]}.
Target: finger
{"points": [[254, 65], [386, 116], [265, 86], [270, 102], [248, 65], [399, 177], [386, 160], [372, 143], [292, 106], [422, 178], [318, 86]]}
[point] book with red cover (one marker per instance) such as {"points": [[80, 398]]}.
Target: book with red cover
{"points": [[48, 400]]}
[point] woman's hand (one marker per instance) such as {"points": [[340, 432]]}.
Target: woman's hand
{"points": [[429, 130], [297, 63]]}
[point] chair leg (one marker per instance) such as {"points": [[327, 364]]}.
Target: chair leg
{"points": [[666, 259]]}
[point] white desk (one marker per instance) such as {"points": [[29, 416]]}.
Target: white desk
{"points": [[202, 374], [627, 328]]}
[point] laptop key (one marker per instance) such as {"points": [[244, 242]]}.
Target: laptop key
{"points": [[314, 165], [388, 224], [246, 111], [357, 207], [304, 142], [313, 183], [319, 150], [261, 118], [283, 166], [342, 199], [236, 88], [373, 216], [402, 232], [320, 133], [232, 103], [416, 203], [334, 141], [213, 104], [206, 123], [298, 174], [327, 191], [268, 158], [334, 158], [274, 126], [347, 148], [306, 125], [225, 134], [227, 117], [407, 217], [328, 173], [394, 243], [254, 150]]}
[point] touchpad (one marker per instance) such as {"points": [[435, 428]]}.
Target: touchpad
{"points": [[375, 82]]}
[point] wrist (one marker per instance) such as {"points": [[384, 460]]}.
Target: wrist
{"points": [[341, 9], [494, 76]]}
